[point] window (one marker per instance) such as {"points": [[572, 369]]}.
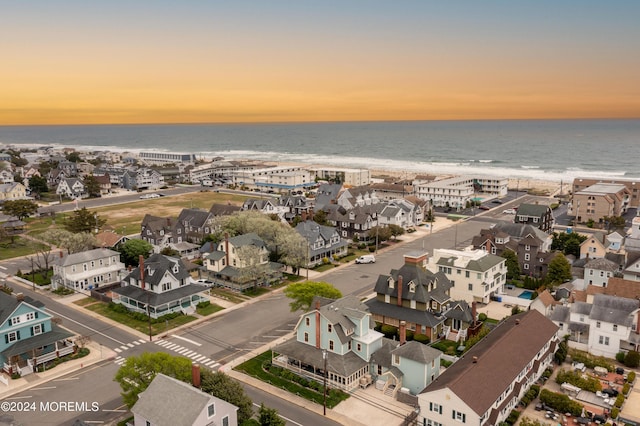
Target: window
{"points": [[12, 337], [330, 344], [470, 287], [435, 407], [306, 337], [225, 421], [396, 359], [307, 322], [527, 247], [358, 347], [15, 320], [493, 250], [526, 256], [36, 329], [603, 340], [211, 410], [466, 274], [615, 327], [329, 328], [458, 416], [598, 324], [30, 316], [526, 266], [349, 345], [166, 286]]}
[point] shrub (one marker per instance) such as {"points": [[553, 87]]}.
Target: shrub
{"points": [[589, 360], [482, 317], [620, 357], [561, 402], [204, 304], [632, 359], [513, 417], [615, 411], [389, 331], [626, 388], [422, 338], [536, 389], [619, 400], [576, 378], [372, 249], [631, 377]]}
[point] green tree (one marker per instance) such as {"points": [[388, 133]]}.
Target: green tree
{"points": [[614, 222], [513, 267], [396, 230], [632, 359], [131, 251], [302, 293], [74, 243], [269, 417], [380, 233], [137, 372], [38, 184], [19, 208], [567, 243], [91, 185], [320, 217], [74, 157], [559, 270], [224, 387], [83, 220]]}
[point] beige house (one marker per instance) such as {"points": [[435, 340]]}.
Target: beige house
{"points": [[632, 185], [593, 247], [84, 271], [12, 191], [598, 201]]}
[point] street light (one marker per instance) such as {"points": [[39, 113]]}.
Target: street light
{"points": [[324, 403]]}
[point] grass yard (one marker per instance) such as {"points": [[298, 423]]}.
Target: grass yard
{"points": [[231, 296], [253, 367], [209, 309], [142, 326], [20, 247]]}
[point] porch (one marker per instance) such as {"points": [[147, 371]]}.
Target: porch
{"points": [[25, 356]]}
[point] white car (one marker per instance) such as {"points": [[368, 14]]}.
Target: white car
{"points": [[367, 258], [509, 211]]}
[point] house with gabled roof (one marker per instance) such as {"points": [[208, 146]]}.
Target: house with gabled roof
{"points": [[632, 268], [483, 386], [355, 222], [29, 337], [400, 212], [170, 402], [110, 239], [324, 242], [12, 191], [87, 270], [421, 299], [71, 188], [544, 303], [538, 215], [157, 231], [357, 196], [160, 285], [327, 195], [474, 274], [598, 271], [218, 210], [193, 225], [343, 331]]}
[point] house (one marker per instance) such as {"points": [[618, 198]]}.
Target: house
{"points": [[110, 239], [157, 231], [484, 385], [402, 213], [12, 191], [71, 188], [6, 176], [357, 197], [241, 262], [538, 215], [104, 181], [598, 271], [323, 242], [392, 191], [84, 271], [170, 402], [354, 223], [633, 185], [604, 327], [160, 285], [193, 225], [418, 297], [338, 339], [594, 246], [474, 274], [30, 338], [544, 303], [327, 195]]}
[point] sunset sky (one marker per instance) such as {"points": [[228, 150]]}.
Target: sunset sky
{"points": [[75, 62]]}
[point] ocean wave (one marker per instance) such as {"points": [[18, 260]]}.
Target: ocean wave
{"points": [[530, 167]]}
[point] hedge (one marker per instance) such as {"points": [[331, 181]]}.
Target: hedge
{"points": [[561, 402], [576, 378]]}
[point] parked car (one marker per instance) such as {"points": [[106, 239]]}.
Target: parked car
{"points": [[610, 392], [484, 207], [496, 201], [367, 258], [509, 211]]}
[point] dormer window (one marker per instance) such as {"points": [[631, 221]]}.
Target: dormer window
{"points": [[391, 282], [412, 287]]}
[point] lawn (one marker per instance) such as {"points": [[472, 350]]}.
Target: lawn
{"points": [[228, 295], [20, 247], [253, 367], [142, 326], [209, 309]]}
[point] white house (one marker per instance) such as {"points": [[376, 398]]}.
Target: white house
{"points": [[598, 271], [87, 270], [71, 188], [612, 321], [475, 274], [484, 385]]}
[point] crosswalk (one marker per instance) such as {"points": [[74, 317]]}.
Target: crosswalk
{"points": [[119, 359], [188, 353]]}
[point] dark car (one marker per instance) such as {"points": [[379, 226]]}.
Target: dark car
{"points": [[620, 371], [496, 201], [600, 420], [484, 208], [611, 392]]}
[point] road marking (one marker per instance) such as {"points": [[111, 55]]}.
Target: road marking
{"points": [[186, 340], [141, 341], [199, 358], [44, 388], [68, 378], [283, 417], [2, 267], [20, 397], [115, 411], [131, 345], [182, 351], [118, 350], [88, 328], [189, 353], [124, 347], [119, 360]]}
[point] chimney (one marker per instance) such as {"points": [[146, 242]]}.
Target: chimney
{"points": [[195, 375], [317, 324], [403, 332], [303, 216], [61, 254], [399, 290], [310, 214], [226, 247], [20, 297], [169, 222], [141, 267]]}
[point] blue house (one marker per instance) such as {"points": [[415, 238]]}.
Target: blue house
{"points": [[29, 337], [340, 335]]}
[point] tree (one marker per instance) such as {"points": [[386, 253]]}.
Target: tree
{"points": [[292, 250], [320, 217], [137, 372], [83, 220], [379, 233], [513, 267], [224, 387], [614, 222], [131, 251], [396, 230], [269, 417], [38, 184], [251, 265], [559, 270], [74, 157], [632, 359], [73, 243], [567, 243], [91, 185], [19, 208], [302, 293]]}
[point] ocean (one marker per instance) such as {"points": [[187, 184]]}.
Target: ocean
{"points": [[551, 150]]}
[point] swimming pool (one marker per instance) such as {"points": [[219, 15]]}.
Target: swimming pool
{"points": [[526, 295]]}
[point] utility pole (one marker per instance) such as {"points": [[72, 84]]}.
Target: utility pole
{"points": [[324, 402]]}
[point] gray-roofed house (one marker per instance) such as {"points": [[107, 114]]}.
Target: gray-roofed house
{"points": [[160, 285], [158, 231], [193, 225], [344, 329], [421, 298], [475, 275], [538, 215], [598, 271], [327, 195], [30, 338], [613, 325], [170, 402], [84, 271], [323, 242], [484, 385], [355, 222], [402, 213], [241, 262]]}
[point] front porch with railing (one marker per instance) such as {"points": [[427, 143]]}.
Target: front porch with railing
{"points": [[27, 362]]}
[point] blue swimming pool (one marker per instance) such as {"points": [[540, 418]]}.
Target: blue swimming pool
{"points": [[526, 295]]}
